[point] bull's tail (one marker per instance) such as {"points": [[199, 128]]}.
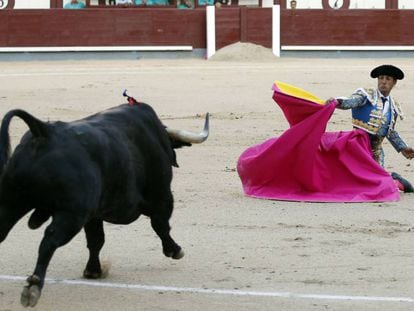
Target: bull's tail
{"points": [[37, 127]]}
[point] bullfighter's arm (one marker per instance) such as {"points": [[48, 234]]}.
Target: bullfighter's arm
{"points": [[396, 141], [355, 100]]}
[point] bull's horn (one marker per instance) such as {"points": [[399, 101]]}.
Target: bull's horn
{"points": [[190, 137]]}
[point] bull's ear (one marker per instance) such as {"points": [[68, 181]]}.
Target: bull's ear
{"points": [[174, 159], [179, 144]]}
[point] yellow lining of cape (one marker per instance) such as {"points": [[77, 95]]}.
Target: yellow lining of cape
{"points": [[298, 92]]}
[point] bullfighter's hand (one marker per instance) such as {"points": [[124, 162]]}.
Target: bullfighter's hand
{"points": [[408, 153], [331, 100]]}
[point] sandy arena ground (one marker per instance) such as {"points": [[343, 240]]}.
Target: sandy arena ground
{"points": [[262, 255]]}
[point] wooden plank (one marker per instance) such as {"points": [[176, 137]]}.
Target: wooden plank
{"points": [[227, 26], [243, 24], [4, 26], [259, 25]]}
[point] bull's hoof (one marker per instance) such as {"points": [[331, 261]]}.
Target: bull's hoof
{"points": [[91, 275], [31, 292], [30, 296], [176, 255], [105, 267]]}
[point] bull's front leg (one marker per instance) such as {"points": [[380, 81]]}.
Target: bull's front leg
{"points": [[95, 237], [161, 225], [169, 247], [62, 229]]}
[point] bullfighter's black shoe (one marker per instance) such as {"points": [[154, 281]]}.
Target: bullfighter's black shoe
{"points": [[407, 187]]}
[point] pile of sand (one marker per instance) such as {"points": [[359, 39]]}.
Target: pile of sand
{"points": [[243, 51]]}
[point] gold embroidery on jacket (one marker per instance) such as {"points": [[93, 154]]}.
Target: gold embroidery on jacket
{"points": [[376, 117]]}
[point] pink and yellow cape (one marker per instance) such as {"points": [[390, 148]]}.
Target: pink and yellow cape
{"points": [[306, 163]]}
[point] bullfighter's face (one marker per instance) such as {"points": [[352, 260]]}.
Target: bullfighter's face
{"points": [[385, 84]]}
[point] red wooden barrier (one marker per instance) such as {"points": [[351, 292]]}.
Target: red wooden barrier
{"points": [[170, 26]]}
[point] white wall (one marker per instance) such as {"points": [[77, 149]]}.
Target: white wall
{"points": [[3, 4], [367, 4], [32, 4], [354, 4], [406, 4], [307, 4]]}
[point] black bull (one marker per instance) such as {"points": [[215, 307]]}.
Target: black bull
{"points": [[112, 166]]}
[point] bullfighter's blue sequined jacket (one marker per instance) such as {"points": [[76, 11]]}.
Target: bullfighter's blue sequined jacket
{"points": [[367, 114]]}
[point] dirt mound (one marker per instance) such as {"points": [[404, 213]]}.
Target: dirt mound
{"points": [[244, 51]]}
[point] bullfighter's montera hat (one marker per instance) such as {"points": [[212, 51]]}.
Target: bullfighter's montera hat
{"points": [[387, 70]]}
